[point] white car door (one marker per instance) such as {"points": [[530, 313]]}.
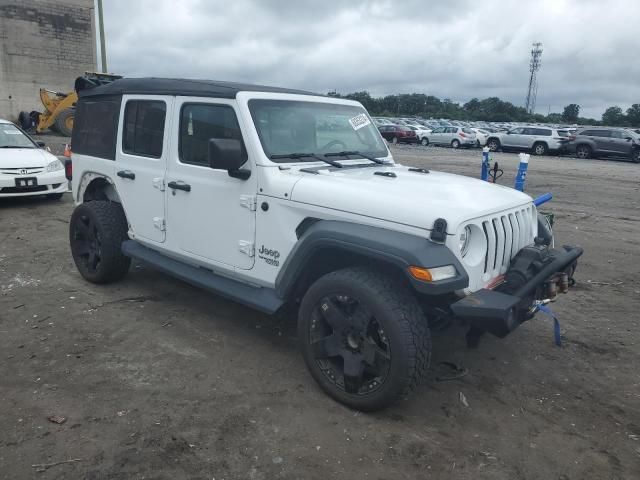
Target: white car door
{"points": [[141, 163], [513, 138], [210, 215]]}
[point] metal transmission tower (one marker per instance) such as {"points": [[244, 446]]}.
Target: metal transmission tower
{"points": [[534, 66]]}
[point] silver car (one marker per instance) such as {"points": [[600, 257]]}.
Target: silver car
{"points": [[455, 136], [537, 140]]}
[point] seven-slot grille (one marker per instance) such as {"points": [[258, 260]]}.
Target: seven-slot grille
{"points": [[506, 234], [21, 171]]}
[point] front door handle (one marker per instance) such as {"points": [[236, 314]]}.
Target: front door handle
{"points": [[179, 185], [127, 174]]}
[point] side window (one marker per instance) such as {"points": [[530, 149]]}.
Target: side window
{"points": [[96, 126], [542, 132], [201, 122], [601, 133], [529, 131], [617, 134], [143, 127], [517, 131]]}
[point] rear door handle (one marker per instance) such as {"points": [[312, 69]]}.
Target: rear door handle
{"points": [[127, 174], [179, 185]]}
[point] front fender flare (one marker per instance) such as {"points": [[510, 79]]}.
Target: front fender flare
{"points": [[390, 247]]}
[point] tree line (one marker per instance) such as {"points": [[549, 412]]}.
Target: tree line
{"points": [[490, 109]]}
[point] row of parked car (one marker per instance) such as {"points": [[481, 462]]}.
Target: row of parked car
{"points": [[537, 139]]}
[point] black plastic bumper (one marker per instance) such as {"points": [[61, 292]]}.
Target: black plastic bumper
{"points": [[497, 312]]}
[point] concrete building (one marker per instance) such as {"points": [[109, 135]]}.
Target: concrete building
{"points": [[43, 43]]}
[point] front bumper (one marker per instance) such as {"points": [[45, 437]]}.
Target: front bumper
{"points": [[48, 182], [501, 312]]}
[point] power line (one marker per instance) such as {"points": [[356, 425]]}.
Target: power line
{"points": [[534, 65]]}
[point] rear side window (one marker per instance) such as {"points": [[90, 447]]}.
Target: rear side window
{"points": [[201, 122], [95, 126], [143, 128], [467, 130], [563, 133], [542, 132], [598, 133]]}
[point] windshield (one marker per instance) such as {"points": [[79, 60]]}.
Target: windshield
{"points": [[12, 137], [286, 126]]}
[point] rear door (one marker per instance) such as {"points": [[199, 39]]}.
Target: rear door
{"points": [[141, 163]]}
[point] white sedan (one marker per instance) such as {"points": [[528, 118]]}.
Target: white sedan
{"points": [[25, 168], [421, 132], [481, 136]]}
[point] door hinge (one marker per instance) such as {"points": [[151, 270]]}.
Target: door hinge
{"points": [[248, 201], [158, 222], [158, 183], [246, 247]]}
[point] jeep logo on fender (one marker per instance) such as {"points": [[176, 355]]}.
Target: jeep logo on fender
{"points": [[269, 256]]}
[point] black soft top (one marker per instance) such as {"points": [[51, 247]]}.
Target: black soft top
{"points": [[182, 87]]}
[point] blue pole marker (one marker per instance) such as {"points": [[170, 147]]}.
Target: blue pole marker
{"points": [[521, 177], [544, 198], [484, 174]]}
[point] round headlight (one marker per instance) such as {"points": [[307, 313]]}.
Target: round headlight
{"points": [[465, 240]]}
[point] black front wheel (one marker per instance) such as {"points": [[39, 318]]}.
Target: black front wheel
{"points": [[96, 232], [364, 338]]}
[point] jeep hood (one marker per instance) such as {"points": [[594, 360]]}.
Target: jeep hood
{"points": [[397, 194]]}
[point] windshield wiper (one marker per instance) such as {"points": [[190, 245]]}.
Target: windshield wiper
{"points": [[306, 155], [355, 152]]}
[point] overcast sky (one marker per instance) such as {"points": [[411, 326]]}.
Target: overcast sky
{"points": [[450, 49]]}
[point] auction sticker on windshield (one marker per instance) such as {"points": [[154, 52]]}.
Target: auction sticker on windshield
{"points": [[359, 121]]}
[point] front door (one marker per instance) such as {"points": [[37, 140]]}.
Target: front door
{"points": [[618, 142], [515, 138], [141, 162], [211, 215]]}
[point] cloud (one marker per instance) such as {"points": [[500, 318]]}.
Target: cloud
{"points": [[457, 49]]}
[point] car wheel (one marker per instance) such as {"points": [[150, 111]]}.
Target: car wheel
{"points": [[394, 140], [54, 196], [424, 142], [64, 121], [364, 338], [493, 144], [96, 232], [583, 151], [635, 155], [455, 144], [539, 149]]}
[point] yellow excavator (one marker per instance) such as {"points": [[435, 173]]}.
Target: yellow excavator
{"points": [[59, 107]]}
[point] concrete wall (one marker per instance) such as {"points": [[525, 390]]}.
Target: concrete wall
{"points": [[43, 43]]}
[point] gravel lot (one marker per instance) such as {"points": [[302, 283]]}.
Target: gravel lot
{"points": [[157, 379]]}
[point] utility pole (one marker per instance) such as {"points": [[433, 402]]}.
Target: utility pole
{"points": [[534, 65], [103, 48]]}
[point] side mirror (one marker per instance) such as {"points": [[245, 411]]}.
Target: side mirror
{"points": [[228, 154], [41, 144], [628, 139]]}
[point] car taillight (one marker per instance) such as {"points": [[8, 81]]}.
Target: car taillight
{"points": [[571, 137], [462, 134], [68, 169]]}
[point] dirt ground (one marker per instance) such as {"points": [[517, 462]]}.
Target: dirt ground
{"points": [[160, 380]]}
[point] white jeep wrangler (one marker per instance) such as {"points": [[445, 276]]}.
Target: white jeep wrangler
{"points": [[274, 197]]}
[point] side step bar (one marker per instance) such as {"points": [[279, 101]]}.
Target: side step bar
{"points": [[263, 299]]}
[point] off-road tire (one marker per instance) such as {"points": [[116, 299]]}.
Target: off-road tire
{"points": [[539, 148], [64, 122], [455, 144], [583, 152], [424, 142], [395, 309], [106, 224], [24, 120], [493, 144]]}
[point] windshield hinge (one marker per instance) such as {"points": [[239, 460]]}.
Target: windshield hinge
{"points": [[159, 223], [248, 201], [158, 183], [246, 247]]}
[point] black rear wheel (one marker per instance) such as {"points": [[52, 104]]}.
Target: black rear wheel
{"points": [[539, 149], [493, 144], [424, 142], [364, 338], [583, 151], [96, 232]]}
